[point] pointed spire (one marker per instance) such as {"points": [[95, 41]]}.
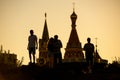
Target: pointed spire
{"points": [[96, 43], [45, 35], [96, 54], [45, 15]]}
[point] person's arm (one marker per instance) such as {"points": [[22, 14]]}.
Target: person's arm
{"points": [[93, 47], [60, 44], [84, 48], [36, 43], [28, 44]]}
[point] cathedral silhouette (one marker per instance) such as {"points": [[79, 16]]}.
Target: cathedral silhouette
{"points": [[73, 50]]}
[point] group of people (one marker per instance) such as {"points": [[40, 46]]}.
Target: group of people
{"points": [[54, 46], [54, 52]]}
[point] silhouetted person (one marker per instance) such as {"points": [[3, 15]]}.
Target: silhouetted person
{"points": [[57, 50], [32, 45], [89, 50], [51, 52]]}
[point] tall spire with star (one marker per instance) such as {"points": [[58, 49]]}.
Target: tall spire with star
{"points": [[43, 42], [45, 35]]}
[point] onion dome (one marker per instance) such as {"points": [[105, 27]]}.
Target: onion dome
{"points": [[73, 16]]}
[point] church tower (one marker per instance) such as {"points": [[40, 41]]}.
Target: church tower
{"points": [[43, 43], [73, 50], [97, 58]]}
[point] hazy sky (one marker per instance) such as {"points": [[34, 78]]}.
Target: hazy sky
{"points": [[96, 18]]}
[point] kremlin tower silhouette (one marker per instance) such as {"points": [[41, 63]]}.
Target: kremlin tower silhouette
{"points": [[73, 50], [43, 44]]}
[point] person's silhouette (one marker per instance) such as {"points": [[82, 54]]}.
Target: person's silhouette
{"points": [[32, 45], [50, 47], [57, 51], [89, 51]]}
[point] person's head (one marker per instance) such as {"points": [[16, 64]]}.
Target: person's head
{"points": [[51, 39], [88, 40], [56, 37], [31, 32]]}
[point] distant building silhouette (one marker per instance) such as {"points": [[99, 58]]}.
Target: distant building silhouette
{"points": [[43, 51], [97, 58], [7, 57], [73, 50]]}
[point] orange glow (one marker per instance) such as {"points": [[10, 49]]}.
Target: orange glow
{"points": [[96, 18]]}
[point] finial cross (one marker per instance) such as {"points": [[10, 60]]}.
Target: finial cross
{"points": [[45, 15], [73, 6], [96, 42]]}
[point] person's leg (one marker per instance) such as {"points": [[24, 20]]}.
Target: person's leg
{"points": [[87, 64], [34, 55], [91, 64], [51, 61], [55, 59], [49, 58], [87, 61], [30, 55], [60, 58], [33, 58], [91, 60]]}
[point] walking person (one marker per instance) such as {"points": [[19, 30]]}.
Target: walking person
{"points": [[32, 46], [89, 51]]}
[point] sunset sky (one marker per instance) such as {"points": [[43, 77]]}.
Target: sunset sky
{"points": [[96, 19]]}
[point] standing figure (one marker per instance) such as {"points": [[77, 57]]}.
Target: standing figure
{"points": [[57, 50], [32, 45], [89, 51], [50, 52]]}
